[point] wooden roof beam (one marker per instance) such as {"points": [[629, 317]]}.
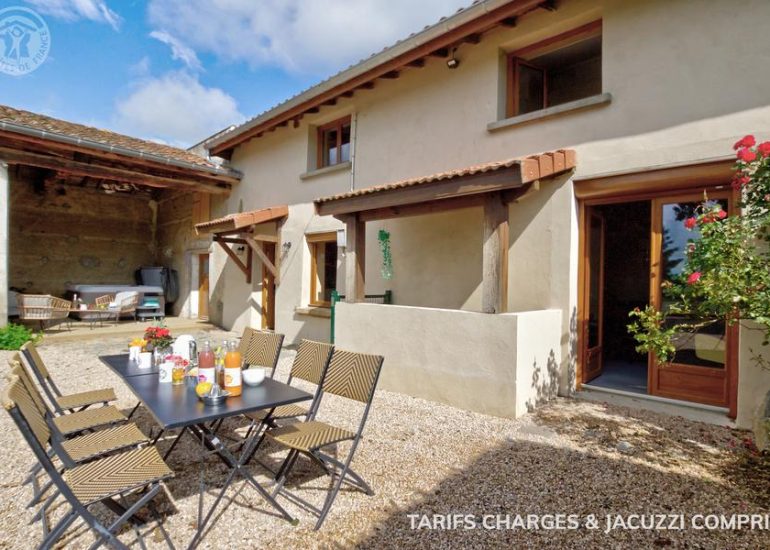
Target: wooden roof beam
{"points": [[391, 75], [418, 63], [13, 156]]}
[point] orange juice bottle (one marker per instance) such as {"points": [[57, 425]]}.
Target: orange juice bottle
{"points": [[233, 381]]}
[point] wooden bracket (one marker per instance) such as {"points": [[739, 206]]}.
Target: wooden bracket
{"points": [[254, 245], [246, 268]]}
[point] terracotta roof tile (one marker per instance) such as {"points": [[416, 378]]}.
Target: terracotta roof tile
{"points": [[240, 220], [533, 167], [98, 136]]}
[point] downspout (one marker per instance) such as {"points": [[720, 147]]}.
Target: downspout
{"points": [[353, 147]]}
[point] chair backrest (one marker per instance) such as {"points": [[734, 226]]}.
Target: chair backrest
{"points": [[35, 306], [17, 396], [36, 365], [353, 375], [127, 301], [36, 362], [261, 348], [311, 361], [105, 300], [18, 370]]}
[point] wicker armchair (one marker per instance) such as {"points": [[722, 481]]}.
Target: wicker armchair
{"points": [[43, 308], [122, 304]]}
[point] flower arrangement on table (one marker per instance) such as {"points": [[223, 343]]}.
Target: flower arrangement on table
{"points": [[158, 337], [138, 343]]}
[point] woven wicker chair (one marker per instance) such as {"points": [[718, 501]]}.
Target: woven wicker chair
{"points": [[43, 308], [76, 449], [261, 349], [80, 400], [310, 365], [141, 471], [122, 306], [349, 375]]}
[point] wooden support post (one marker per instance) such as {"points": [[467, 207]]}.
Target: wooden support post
{"points": [[355, 259], [494, 297]]}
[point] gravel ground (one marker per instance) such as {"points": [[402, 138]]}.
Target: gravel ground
{"points": [[426, 459]]}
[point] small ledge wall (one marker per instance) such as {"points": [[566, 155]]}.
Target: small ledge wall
{"points": [[501, 365]]}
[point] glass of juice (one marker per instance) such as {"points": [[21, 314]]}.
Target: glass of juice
{"points": [[177, 374]]}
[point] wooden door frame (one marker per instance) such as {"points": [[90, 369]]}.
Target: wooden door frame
{"points": [[207, 255], [642, 186], [586, 294], [268, 287]]}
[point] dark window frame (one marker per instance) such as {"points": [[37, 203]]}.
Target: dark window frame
{"points": [[515, 59], [335, 125]]}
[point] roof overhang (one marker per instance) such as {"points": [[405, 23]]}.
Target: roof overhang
{"points": [[72, 156], [240, 229], [466, 26], [241, 221], [462, 188]]}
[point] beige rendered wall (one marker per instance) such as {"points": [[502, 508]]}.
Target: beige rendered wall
{"points": [[494, 364], [754, 380], [684, 84], [179, 247]]}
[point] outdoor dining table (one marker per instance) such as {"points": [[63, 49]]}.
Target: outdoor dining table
{"points": [[178, 406]]}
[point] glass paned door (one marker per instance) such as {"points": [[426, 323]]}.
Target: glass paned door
{"points": [[698, 370], [594, 293]]}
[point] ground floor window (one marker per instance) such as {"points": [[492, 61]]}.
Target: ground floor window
{"points": [[323, 267]]}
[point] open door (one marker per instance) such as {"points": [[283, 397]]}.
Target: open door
{"points": [[593, 295], [203, 287], [268, 289], [701, 368]]}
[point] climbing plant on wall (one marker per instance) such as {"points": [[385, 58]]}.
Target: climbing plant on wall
{"points": [[726, 276], [387, 259]]}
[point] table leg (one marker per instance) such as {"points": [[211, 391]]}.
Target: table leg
{"points": [[237, 467]]}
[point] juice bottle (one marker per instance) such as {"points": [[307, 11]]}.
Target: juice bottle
{"points": [[206, 371], [233, 369]]}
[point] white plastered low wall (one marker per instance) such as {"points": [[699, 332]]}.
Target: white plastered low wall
{"points": [[501, 365]]}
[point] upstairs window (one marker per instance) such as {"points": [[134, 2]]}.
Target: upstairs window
{"points": [[558, 70], [334, 143]]}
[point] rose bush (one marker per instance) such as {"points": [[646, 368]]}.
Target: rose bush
{"points": [[726, 276]]}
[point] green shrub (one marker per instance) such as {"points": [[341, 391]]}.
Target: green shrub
{"points": [[12, 337]]}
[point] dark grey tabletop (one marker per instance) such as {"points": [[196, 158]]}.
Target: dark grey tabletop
{"points": [[125, 368], [178, 406]]}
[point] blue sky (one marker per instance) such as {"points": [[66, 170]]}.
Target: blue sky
{"points": [[178, 70]]}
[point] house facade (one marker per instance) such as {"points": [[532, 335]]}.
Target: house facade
{"points": [[626, 112]]}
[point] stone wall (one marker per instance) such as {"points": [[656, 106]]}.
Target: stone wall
{"points": [[62, 234], [179, 245]]}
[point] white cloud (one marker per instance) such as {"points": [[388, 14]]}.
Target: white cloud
{"points": [[73, 10], [309, 36], [179, 50], [175, 108]]}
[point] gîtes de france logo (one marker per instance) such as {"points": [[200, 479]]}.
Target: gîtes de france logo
{"points": [[24, 40]]}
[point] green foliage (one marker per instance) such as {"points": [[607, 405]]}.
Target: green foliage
{"points": [[12, 337], [387, 260], [726, 276]]}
